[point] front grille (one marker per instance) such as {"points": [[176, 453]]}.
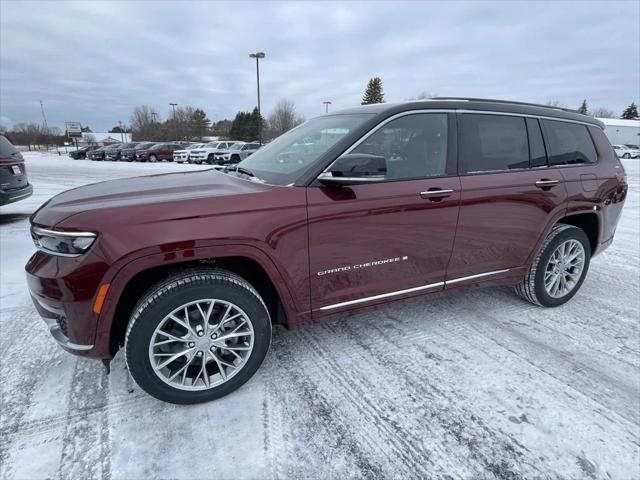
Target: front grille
{"points": [[62, 323]]}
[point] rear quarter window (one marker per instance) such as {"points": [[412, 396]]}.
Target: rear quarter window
{"points": [[493, 143], [570, 143]]}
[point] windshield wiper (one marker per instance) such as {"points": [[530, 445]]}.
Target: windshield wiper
{"points": [[242, 170]]}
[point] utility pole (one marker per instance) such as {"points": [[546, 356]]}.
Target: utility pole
{"points": [[258, 56], [45, 127], [175, 123], [326, 106], [121, 136]]}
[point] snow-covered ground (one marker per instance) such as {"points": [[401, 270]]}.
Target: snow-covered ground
{"points": [[472, 385]]}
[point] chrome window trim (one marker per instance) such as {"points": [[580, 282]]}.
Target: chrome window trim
{"points": [[414, 289], [526, 115]]}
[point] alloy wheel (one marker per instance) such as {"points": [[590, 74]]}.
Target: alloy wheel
{"points": [[564, 268], [201, 344]]}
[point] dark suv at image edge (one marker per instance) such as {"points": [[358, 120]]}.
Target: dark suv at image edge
{"points": [[14, 184], [188, 271]]}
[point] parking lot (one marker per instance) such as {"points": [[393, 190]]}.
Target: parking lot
{"points": [[477, 384]]}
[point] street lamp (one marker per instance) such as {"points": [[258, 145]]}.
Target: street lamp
{"points": [[175, 124], [326, 105], [258, 56]]}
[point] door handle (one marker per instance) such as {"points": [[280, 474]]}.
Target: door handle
{"points": [[544, 183], [434, 194]]}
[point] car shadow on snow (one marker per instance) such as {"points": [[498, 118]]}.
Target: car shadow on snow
{"points": [[8, 218]]}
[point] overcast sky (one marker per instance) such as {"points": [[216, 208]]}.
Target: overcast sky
{"points": [[93, 62]]}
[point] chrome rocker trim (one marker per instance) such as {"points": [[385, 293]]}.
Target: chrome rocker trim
{"points": [[411, 290]]}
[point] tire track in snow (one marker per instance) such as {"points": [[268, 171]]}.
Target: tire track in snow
{"points": [[86, 448]]}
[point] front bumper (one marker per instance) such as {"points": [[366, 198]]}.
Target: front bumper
{"points": [[63, 290], [10, 196]]}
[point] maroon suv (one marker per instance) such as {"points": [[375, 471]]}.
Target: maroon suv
{"points": [[159, 151], [189, 270]]}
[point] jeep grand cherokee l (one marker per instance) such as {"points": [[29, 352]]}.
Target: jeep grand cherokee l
{"points": [[129, 154], [189, 270], [14, 184], [158, 152]]}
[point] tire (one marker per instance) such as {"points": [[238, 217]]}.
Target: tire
{"points": [[153, 158], [211, 159], [532, 288], [626, 155], [170, 297], [235, 159]]}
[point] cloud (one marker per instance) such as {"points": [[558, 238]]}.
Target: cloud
{"points": [[94, 61]]}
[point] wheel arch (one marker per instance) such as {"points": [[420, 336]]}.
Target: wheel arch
{"points": [[589, 222], [261, 277]]}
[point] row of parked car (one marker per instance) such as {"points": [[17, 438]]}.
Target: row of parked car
{"points": [[215, 153], [627, 150]]}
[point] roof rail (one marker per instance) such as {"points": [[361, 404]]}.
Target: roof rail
{"points": [[508, 102]]}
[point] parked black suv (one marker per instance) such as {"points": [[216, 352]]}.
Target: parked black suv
{"points": [[14, 184], [129, 154], [82, 152], [115, 154]]}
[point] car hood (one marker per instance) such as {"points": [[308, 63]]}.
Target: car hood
{"points": [[144, 194]]}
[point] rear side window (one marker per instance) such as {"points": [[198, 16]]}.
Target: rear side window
{"points": [[493, 143], [570, 143]]}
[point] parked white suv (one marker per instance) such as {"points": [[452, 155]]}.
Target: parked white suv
{"points": [[206, 153], [624, 151], [181, 156], [238, 152]]}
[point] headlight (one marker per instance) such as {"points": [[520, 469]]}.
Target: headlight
{"points": [[66, 244]]}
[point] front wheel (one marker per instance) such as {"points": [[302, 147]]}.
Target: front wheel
{"points": [[153, 158], [197, 336], [235, 159], [559, 269], [626, 155]]}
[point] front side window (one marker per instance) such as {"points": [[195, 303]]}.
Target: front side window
{"points": [[286, 158], [493, 143], [414, 146], [570, 143]]}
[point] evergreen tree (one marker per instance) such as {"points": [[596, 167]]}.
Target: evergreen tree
{"points": [[373, 93], [584, 109], [631, 112]]}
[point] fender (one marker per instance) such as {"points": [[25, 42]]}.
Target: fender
{"points": [[119, 278]]}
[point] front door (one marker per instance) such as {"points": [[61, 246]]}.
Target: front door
{"points": [[373, 242]]}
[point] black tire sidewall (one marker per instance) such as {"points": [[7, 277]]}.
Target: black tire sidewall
{"points": [[541, 293], [141, 332]]}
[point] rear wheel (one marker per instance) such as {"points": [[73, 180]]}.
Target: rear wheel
{"points": [[197, 336], [559, 269]]}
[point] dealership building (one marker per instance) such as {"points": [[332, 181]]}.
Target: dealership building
{"points": [[621, 132]]}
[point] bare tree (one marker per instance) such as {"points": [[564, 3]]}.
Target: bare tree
{"points": [[601, 112], [555, 103], [283, 118], [144, 125]]}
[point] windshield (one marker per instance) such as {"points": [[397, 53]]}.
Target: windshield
{"points": [[192, 147], [283, 160], [144, 146]]}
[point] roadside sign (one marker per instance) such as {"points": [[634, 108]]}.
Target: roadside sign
{"points": [[74, 129]]}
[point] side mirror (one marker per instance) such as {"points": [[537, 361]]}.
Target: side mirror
{"points": [[355, 168]]}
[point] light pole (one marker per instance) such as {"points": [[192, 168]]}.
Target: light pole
{"points": [[121, 136], [326, 106], [175, 124], [258, 56]]}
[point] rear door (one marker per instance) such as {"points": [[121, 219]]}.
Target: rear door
{"points": [[386, 240], [509, 195]]}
